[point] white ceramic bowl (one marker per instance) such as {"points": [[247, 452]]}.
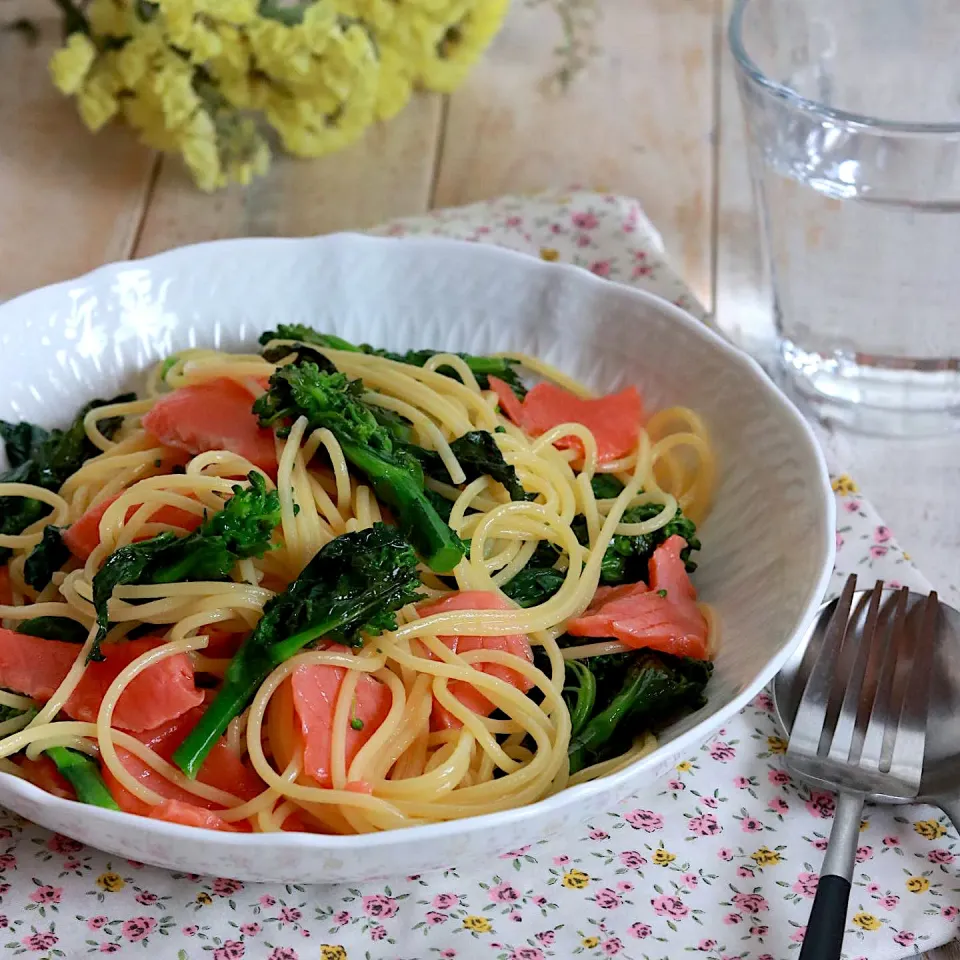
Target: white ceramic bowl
{"points": [[768, 545]]}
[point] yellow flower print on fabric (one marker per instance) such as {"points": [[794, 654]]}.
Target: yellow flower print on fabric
{"points": [[918, 884], [684, 766], [845, 485], [477, 924], [111, 882], [663, 858], [929, 829], [866, 921], [776, 745], [575, 880], [332, 951], [765, 857], [590, 942]]}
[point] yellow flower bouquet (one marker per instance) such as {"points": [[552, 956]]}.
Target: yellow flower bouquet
{"points": [[218, 80]]}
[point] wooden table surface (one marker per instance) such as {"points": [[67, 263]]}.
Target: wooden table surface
{"points": [[636, 96]]}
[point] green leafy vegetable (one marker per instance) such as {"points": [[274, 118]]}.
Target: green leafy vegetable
{"points": [[353, 586], [479, 456], [481, 367], [606, 486], [627, 558], [46, 558], [534, 585], [54, 628], [84, 775], [652, 688], [45, 459], [8, 713], [243, 528], [331, 400]]}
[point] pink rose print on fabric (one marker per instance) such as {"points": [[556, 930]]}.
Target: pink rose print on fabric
{"points": [[705, 825], [95, 923], [751, 825], [639, 930], [632, 859], [585, 221], [284, 953], [745, 872], [561, 861], [864, 853], [378, 932], [940, 856], [250, 929], [798, 936], [722, 752], [341, 917], [882, 534], [890, 902], [611, 947], [293, 915], [949, 913], [46, 894], [378, 905], [137, 928], [669, 906], [705, 946], [891, 841], [109, 948], [904, 938], [190, 931], [806, 884], [225, 887], [877, 551], [147, 898], [779, 778], [822, 805], [778, 805], [433, 918], [732, 919], [645, 820], [751, 902], [725, 854], [502, 893], [444, 901], [608, 899], [40, 941], [527, 953], [61, 844], [676, 785], [710, 802], [231, 950], [599, 835], [267, 901], [515, 854], [546, 937]]}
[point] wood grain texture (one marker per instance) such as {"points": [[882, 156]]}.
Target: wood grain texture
{"points": [[387, 174], [69, 200], [637, 119]]}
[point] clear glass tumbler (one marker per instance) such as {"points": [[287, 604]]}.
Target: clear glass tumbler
{"points": [[853, 123]]}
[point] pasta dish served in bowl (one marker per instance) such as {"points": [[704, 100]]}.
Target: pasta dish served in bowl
{"points": [[326, 588]]}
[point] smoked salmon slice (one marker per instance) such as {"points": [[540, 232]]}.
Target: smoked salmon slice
{"points": [[663, 616], [83, 536], [36, 667], [614, 419], [466, 693], [314, 689], [214, 415]]}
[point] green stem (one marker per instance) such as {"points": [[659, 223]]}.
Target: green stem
{"points": [[290, 15], [84, 775]]}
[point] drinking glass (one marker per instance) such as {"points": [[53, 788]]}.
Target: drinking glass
{"points": [[853, 125]]}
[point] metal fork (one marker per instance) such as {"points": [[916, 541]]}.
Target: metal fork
{"points": [[859, 729]]}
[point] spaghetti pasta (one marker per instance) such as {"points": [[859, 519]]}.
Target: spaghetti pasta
{"points": [[467, 703]]}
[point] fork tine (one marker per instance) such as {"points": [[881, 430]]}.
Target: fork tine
{"points": [[808, 724], [906, 759], [865, 648], [871, 752]]}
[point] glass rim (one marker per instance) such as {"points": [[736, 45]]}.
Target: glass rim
{"points": [[749, 68]]}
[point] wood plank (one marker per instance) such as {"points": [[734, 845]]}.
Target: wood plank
{"points": [[388, 174], [636, 119], [69, 200]]}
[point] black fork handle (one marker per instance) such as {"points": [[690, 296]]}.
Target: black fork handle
{"points": [[824, 936]]}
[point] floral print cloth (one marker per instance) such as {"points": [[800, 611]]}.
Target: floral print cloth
{"points": [[719, 861]]}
